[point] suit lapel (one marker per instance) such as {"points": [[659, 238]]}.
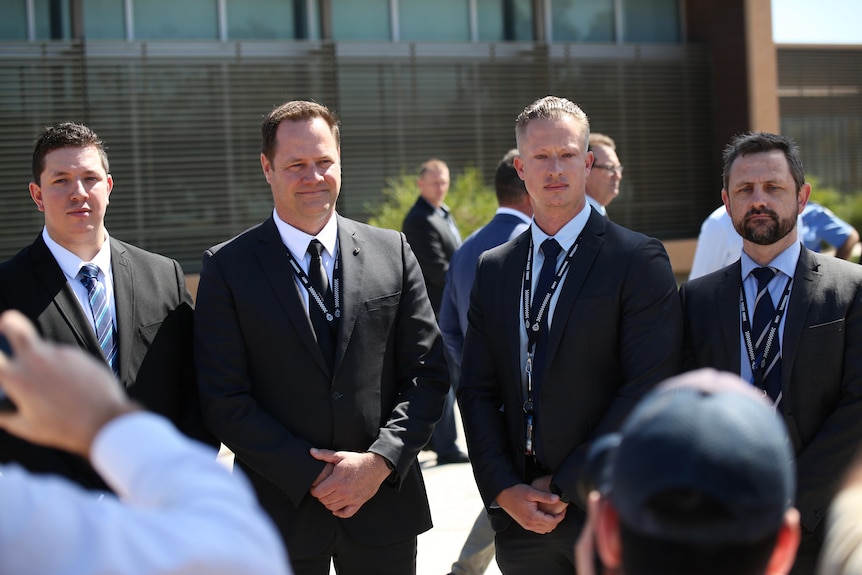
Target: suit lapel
{"points": [[64, 299], [512, 291], [278, 272], [589, 244], [124, 302], [353, 267], [805, 281], [728, 313]]}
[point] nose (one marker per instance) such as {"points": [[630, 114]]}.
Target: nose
{"points": [[79, 190], [556, 167]]}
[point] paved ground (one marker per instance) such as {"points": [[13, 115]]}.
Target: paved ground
{"points": [[455, 503]]}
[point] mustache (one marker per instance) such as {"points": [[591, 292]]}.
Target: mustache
{"points": [[760, 212]]}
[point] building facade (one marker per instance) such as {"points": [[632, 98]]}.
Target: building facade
{"points": [[177, 91]]}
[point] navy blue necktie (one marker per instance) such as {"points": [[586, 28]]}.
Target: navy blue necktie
{"points": [[89, 275], [323, 329], [767, 371], [551, 249]]}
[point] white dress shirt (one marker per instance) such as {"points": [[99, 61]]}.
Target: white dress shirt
{"points": [[297, 242], [71, 266], [181, 512]]}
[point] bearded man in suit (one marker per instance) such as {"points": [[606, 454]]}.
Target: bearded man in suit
{"points": [[320, 362], [806, 352], [80, 286]]}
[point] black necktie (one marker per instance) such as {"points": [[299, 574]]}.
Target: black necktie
{"points": [[767, 370], [323, 329], [551, 248]]}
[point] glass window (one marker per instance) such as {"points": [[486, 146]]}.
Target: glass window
{"points": [[173, 20], [368, 20], [582, 20], [52, 20], [505, 20], [441, 20], [104, 20], [13, 25], [261, 19], [651, 21]]}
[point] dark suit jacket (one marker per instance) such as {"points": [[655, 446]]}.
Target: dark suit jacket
{"points": [[616, 332], [269, 395], [821, 363], [433, 242], [154, 333]]}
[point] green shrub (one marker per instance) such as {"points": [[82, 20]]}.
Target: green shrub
{"points": [[472, 202]]}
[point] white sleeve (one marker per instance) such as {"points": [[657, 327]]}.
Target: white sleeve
{"points": [[718, 245], [181, 512]]}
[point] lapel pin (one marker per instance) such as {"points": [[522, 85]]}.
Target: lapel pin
{"points": [[355, 251]]}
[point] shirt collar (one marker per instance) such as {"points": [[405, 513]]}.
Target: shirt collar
{"points": [[513, 212], [297, 240], [567, 235], [71, 263], [785, 262], [595, 203]]}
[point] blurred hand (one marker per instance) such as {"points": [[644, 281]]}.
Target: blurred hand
{"points": [[64, 396]]}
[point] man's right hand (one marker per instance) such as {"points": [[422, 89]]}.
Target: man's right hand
{"points": [[522, 503]]}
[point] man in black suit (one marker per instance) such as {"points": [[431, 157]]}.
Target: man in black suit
{"points": [[142, 305], [434, 237], [812, 369], [533, 400], [320, 362]]}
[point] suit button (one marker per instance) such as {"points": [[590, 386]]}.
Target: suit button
{"points": [[336, 395]]}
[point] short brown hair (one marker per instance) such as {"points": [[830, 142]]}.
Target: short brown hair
{"points": [[432, 164], [758, 142], [597, 139], [295, 111], [552, 108], [64, 135]]}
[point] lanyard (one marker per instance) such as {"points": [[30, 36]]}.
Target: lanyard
{"points": [[313, 294], [533, 315], [772, 334]]}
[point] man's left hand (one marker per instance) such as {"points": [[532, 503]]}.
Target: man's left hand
{"points": [[355, 478]]}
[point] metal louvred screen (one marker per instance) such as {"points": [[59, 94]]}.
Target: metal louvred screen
{"points": [[181, 124]]}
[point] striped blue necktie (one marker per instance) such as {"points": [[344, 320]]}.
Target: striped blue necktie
{"points": [[105, 333], [767, 369]]}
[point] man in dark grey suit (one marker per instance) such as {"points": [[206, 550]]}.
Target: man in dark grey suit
{"points": [[434, 237], [320, 362], [812, 369], [551, 364], [139, 298]]}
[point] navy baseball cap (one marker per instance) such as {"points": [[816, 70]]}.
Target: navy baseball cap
{"points": [[703, 458]]}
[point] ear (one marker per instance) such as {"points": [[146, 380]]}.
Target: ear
{"points": [[267, 168], [36, 194], [786, 545], [725, 198], [803, 195], [608, 541], [519, 166], [110, 181], [591, 159]]}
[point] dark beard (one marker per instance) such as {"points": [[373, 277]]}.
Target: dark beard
{"points": [[765, 234]]}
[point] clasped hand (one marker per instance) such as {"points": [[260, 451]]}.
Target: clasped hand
{"points": [[348, 480]]}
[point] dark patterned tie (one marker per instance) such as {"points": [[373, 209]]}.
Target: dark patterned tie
{"points": [[323, 329], [89, 276], [767, 370], [551, 248]]}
